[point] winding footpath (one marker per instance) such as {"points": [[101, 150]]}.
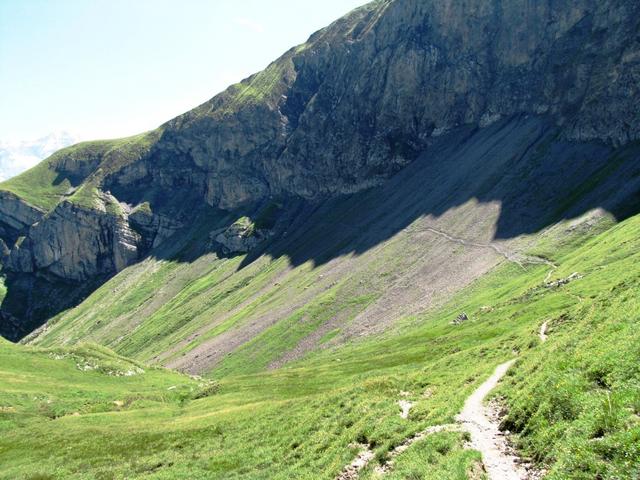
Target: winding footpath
{"points": [[483, 424], [517, 258], [485, 434], [476, 418]]}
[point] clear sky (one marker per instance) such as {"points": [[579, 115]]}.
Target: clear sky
{"points": [[110, 68]]}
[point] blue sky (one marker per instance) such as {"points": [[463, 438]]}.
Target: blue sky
{"points": [[110, 68]]}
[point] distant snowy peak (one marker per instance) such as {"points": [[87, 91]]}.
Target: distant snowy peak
{"points": [[16, 157]]}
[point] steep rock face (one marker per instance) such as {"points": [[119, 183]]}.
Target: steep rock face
{"points": [[75, 243], [16, 216], [364, 97], [153, 229]]}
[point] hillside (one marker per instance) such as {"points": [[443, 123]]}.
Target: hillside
{"points": [[311, 274], [573, 400], [353, 266]]}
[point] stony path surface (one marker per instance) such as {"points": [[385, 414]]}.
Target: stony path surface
{"points": [[350, 472], [382, 469], [485, 434], [482, 422], [516, 258], [543, 331]]}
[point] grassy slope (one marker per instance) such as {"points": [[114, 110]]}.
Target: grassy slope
{"points": [[298, 422], [41, 185], [87, 379], [176, 307], [173, 301], [44, 185], [187, 297], [576, 400]]}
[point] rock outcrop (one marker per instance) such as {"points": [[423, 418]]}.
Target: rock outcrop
{"points": [[16, 216], [75, 243], [240, 237], [154, 229], [366, 95]]}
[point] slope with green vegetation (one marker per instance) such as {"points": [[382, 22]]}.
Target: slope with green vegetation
{"points": [[573, 400], [344, 245], [350, 266], [67, 170]]}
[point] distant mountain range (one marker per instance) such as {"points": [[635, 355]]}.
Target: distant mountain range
{"points": [[16, 157]]}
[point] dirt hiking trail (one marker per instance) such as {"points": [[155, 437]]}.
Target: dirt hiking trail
{"points": [[486, 437], [481, 421]]}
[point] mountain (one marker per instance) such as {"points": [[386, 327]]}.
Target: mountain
{"points": [[16, 157], [420, 192], [389, 84]]}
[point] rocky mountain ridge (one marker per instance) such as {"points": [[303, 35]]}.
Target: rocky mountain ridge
{"points": [[355, 104]]}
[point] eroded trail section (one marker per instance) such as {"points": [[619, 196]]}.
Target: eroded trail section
{"points": [[485, 434], [480, 421], [543, 332], [351, 471]]}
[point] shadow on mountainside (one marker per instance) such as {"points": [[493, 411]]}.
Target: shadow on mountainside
{"points": [[519, 164]]}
